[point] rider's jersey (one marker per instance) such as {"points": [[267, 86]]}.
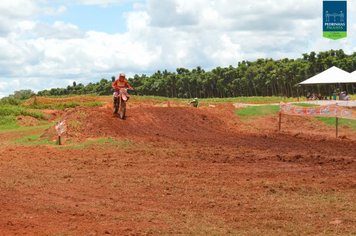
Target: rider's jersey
{"points": [[120, 84]]}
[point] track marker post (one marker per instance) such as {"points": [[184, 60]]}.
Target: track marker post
{"points": [[337, 127], [60, 128], [337, 122]]}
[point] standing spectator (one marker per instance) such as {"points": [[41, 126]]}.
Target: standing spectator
{"points": [[346, 97]]}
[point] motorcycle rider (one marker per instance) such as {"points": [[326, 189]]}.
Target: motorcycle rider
{"points": [[119, 83], [194, 102]]}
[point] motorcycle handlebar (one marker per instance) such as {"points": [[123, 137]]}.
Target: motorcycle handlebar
{"points": [[126, 89]]}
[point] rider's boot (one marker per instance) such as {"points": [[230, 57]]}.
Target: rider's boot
{"points": [[114, 105]]}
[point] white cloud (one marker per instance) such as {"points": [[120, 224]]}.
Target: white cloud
{"points": [[59, 30], [160, 35], [54, 11], [18, 8], [170, 14], [12, 11]]}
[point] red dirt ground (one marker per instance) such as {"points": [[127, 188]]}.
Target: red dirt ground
{"points": [[180, 170]]}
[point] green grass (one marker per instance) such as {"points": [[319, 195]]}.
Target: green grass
{"points": [[265, 110], [14, 127], [64, 106], [8, 123], [9, 110], [342, 122], [305, 104], [71, 96], [254, 100], [34, 139], [155, 98], [8, 114], [10, 101], [252, 111], [96, 142]]}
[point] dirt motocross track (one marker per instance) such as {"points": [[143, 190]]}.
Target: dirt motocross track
{"points": [[178, 171]]}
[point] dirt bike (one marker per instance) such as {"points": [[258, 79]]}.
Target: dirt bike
{"points": [[119, 102]]}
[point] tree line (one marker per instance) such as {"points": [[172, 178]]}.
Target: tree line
{"points": [[263, 77]]}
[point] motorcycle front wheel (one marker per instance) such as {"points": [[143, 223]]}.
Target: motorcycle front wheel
{"points": [[115, 105], [122, 110]]}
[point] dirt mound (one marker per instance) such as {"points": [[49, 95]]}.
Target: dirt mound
{"points": [[169, 123], [205, 126], [27, 121], [52, 114]]}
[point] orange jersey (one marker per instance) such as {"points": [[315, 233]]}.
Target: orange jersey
{"points": [[120, 84]]}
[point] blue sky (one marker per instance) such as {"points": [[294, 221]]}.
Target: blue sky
{"points": [[109, 19], [51, 43]]}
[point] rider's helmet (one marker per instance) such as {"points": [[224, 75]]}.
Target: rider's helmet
{"points": [[122, 76]]}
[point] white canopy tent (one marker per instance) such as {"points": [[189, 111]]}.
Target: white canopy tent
{"points": [[332, 75]]}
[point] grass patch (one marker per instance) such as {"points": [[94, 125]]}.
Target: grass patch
{"points": [[305, 104], [64, 106], [342, 122], [8, 114], [74, 124], [253, 100], [14, 127], [8, 123], [10, 101], [34, 139], [155, 98], [8, 110], [251, 111], [98, 142], [64, 102]]}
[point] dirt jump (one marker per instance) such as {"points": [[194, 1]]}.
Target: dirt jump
{"points": [[172, 170]]}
